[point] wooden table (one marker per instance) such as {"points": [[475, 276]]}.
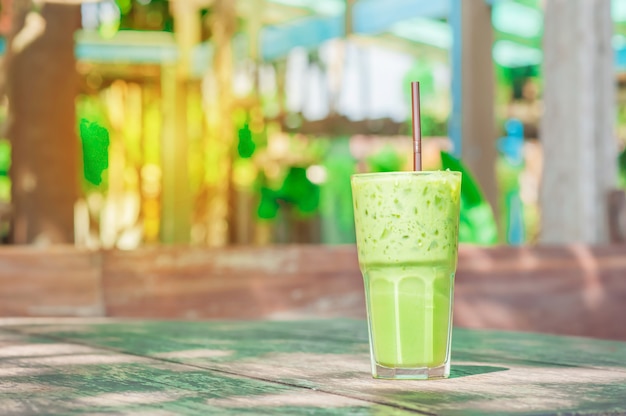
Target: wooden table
{"points": [[97, 366]]}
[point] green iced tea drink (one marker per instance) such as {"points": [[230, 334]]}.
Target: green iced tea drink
{"points": [[407, 238]]}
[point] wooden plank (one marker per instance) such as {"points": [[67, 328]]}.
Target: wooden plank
{"points": [[570, 290], [153, 338], [51, 281], [43, 376], [492, 372], [190, 282], [566, 290], [541, 348]]}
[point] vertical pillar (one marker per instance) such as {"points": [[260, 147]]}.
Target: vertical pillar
{"points": [[221, 212], [42, 83], [456, 58], [242, 196], [472, 122], [175, 195], [580, 152]]}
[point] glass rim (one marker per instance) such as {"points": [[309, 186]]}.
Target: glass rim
{"points": [[407, 173]]}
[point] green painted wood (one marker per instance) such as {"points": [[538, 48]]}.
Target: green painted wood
{"points": [[40, 375], [492, 373]]}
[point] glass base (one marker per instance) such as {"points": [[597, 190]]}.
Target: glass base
{"points": [[420, 373]]}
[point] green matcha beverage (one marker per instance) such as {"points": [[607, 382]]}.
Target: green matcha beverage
{"points": [[407, 238]]}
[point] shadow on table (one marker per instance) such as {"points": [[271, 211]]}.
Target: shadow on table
{"points": [[446, 401], [457, 371]]}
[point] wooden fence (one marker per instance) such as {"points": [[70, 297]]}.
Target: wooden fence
{"points": [[574, 290]]}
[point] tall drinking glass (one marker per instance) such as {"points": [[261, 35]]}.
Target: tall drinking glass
{"points": [[407, 237]]}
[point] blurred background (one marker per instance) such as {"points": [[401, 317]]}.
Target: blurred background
{"points": [[129, 123]]}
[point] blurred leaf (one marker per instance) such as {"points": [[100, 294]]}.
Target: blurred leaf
{"points": [[124, 5], [421, 71], [469, 187], [386, 160], [433, 126], [477, 223], [246, 145], [268, 205], [336, 211], [95, 140], [5, 157], [298, 190]]}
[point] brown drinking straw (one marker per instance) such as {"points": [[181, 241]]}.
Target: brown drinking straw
{"points": [[417, 126]]}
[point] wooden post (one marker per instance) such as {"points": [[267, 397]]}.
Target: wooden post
{"points": [[473, 93], [220, 228], [242, 199], [580, 152], [42, 83], [175, 195]]}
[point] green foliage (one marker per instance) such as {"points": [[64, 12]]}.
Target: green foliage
{"points": [[95, 141], [336, 193], [386, 160], [477, 223], [297, 191], [422, 71], [5, 157], [268, 205], [150, 15], [5, 165], [246, 145], [433, 126], [124, 5]]}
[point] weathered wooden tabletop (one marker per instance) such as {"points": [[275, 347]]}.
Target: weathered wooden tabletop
{"points": [[98, 366]]}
